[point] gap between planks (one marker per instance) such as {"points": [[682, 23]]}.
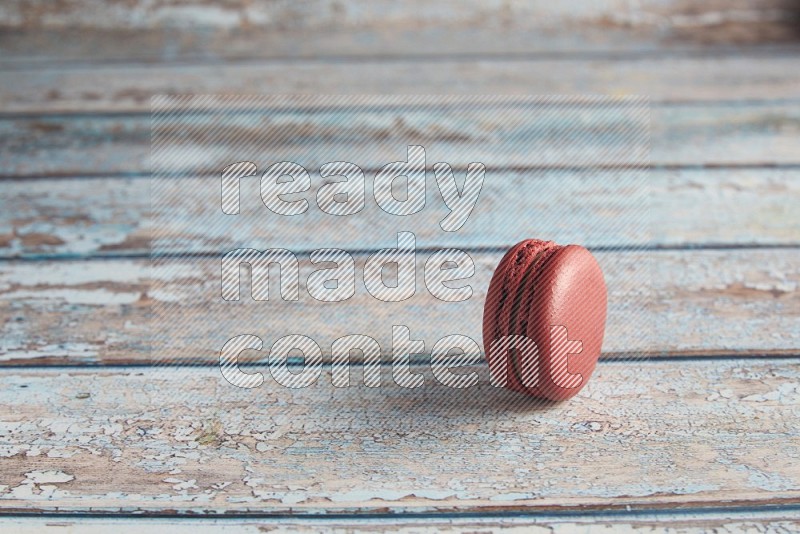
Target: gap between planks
{"points": [[724, 520]]}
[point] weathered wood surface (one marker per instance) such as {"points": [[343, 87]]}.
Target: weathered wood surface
{"points": [[87, 31], [78, 217], [680, 433], [724, 134], [128, 88], [646, 435], [703, 303], [318, 14], [691, 522], [58, 48]]}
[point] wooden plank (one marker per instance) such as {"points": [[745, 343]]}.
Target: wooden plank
{"points": [[728, 522], [646, 435], [175, 30], [321, 13], [666, 303], [128, 87], [719, 135], [75, 47], [687, 207]]}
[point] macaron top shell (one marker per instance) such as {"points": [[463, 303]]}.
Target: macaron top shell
{"points": [[567, 321], [555, 296]]}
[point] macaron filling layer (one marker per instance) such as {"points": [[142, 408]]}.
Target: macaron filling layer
{"points": [[527, 296], [504, 306]]}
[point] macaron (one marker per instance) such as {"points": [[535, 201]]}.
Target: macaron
{"points": [[544, 319]]}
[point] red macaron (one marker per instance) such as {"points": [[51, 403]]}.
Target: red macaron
{"points": [[544, 319]]}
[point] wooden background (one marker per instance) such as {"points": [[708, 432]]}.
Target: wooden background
{"points": [[701, 435]]}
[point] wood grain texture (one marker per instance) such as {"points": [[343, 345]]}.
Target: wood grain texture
{"points": [[646, 435], [174, 30], [26, 49], [691, 522], [702, 436], [320, 14], [78, 217], [719, 135], [703, 303], [128, 87]]}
